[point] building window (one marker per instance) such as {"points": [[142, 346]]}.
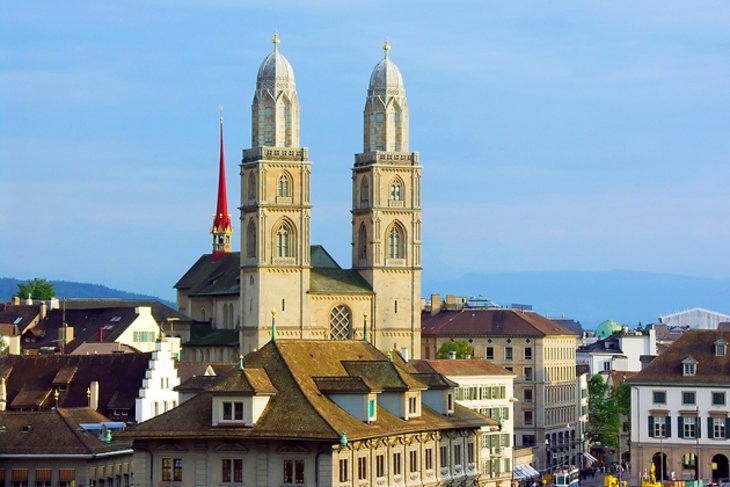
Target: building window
{"points": [[344, 470], [396, 191], [412, 405], [720, 348], [528, 396], [528, 374], [363, 242], [470, 452], [364, 193], [508, 353], [251, 239], [371, 408], [528, 417], [689, 368], [719, 428], [457, 454], [284, 187], [659, 397], [718, 398], [689, 426], [428, 460], [688, 397], [380, 465], [172, 469], [232, 470], [528, 353], [251, 189], [340, 323], [413, 461], [689, 460], [660, 427], [528, 440], [396, 463], [395, 243], [449, 402], [293, 472], [607, 366], [490, 353], [444, 454], [233, 411], [362, 468], [283, 242]]}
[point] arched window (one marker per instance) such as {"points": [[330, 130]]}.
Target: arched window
{"points": [[396, 190], [224, 323], [340, 323], [251, 239], [396, 244], [362, 242], [364, 193], [251, 187], [284, 240], [284, 187]]}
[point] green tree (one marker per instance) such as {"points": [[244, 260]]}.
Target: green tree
{"points": [[36, 288], [603, 413], [461, 347]]}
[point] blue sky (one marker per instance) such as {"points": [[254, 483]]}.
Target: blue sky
{"points": [[561, 135]]}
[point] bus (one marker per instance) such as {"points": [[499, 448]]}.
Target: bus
{"points": [[566, 477]]}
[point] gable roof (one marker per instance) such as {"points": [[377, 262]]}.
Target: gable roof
{"points": [[698, 345], [209, 277], [54, 432], [297, 369], [461, 367], [489, 322], [21, 315], [30, 380]]}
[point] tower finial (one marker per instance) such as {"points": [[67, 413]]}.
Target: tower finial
{"points": [[276, 41], [222, 228], [386, 47], [220, 109]]}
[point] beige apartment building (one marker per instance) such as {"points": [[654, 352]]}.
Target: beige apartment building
{"points": [[540, 352]]}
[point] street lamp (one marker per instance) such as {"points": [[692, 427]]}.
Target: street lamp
{"points": [[547, 454]]}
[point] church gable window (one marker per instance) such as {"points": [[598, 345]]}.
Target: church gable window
{"points": [[396, 190], [284, 240], [340, 323]]}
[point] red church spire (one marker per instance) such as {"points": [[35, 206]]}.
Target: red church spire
{"points": [[222, 229]]}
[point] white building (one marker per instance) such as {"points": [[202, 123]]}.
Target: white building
{"points": [[698, 318], [679, 409], [619, 352]]}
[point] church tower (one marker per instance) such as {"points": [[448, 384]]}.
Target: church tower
{"points": [[386, 213], [275, 211], [222, 229]]}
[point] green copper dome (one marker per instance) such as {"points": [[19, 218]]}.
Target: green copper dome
{"points": [[607, 328]]}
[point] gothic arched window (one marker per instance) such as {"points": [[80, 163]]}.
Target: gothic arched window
{"points": [[396, 242], [251, 239], [285, 240], [364, 193], [340, 323], [362, 243], [284, 187], [251, 187], [396, 190]]}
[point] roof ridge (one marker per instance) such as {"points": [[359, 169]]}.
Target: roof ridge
{"points": [[74, 430]]}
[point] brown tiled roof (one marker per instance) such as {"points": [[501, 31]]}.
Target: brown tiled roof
{"points": [[86, 324], [434, 380], [699, 344], [30, 397], [65, 374], [383, 373], [19, 314], [489, 322], [345, 385], [160, 311], [54, 432], [292, 366], [247, 382], [119, 376], [459, 367], [207, 277]]}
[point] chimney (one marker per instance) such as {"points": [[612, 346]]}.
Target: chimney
{"points": [[16, 300], [404, 353], [3, 394], [435, 304], [54, 303], [65, 335], [93, 394], [43, 310], [29, 300], [101, 335]]}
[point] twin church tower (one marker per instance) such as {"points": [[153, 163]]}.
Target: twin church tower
{"points": [[296, 288]]}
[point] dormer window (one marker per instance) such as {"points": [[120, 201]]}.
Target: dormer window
{"points": [[689, 367], [720, 348], [449, 403], [371, 409], [232, 411]]}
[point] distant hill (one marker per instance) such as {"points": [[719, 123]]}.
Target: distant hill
{"points": [[628, 297], [68, 289]]}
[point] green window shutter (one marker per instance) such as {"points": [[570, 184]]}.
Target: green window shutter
{"points": [[669, 426], [651, 426], [698, 427], [710, 429], [727, 427], [680, 427]]}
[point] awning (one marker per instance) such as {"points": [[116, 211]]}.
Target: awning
{"points": [[590, 457], [531, 472], [519, 473]]}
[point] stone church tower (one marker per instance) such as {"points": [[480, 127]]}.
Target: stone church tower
{"points": [[386, 212], [275, 211]]}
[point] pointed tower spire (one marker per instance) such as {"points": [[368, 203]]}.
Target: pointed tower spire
{"points": [[222, 229]]}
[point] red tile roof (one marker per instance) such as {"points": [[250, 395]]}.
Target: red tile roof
{"points": [[489, 322], [459, 367]]}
